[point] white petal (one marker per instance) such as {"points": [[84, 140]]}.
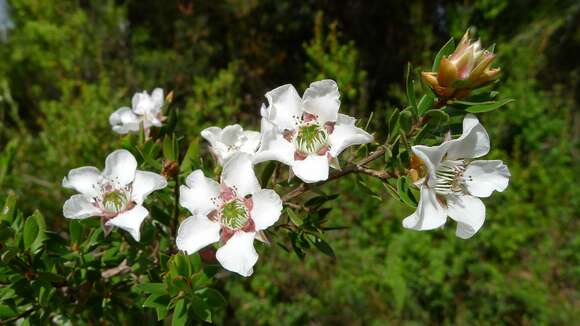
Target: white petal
{"points": [[130, 221], [473, 143], [483, 177], [431, 156], [285, 107], [323, 100], [84, 180], [430, 213], [79, 207], [238, 254], [232, 135], [345, 134], [252, 142], [124, 121], [312, 169], [120, 166], [197, 232], [157, 97], [141, 102], [266, 209], [273, 146], [198, 192], [239, 174], [212, 135], [469, 212], [145, 183]]}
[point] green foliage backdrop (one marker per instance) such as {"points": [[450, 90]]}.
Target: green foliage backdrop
{"points": [[66, 65]]}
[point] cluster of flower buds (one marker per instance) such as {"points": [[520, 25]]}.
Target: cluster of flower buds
{"points": [[467, 68]]}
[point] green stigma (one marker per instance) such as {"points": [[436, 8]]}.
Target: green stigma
{"points": [[234, 215], [115, 201], [310, 139]]}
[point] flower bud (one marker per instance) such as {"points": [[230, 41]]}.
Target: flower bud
{"points": [[467, 68]]}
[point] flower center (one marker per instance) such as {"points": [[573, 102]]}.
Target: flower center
{"points": [[449, 177], [115, 201], [311, 138], [234, 214]]}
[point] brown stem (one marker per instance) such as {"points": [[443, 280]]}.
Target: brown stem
{"points": [[359, 167]]}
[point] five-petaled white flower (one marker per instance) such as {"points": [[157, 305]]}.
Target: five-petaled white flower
{"points": [[146, 110], [307, 133], [233, 211], [453, 181], [116, 194], [230, 140]]}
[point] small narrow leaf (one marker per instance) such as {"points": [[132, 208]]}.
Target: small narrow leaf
{"points": [[488, 107], [267, 173], [294, 217], [425, 103], [410, 83]]}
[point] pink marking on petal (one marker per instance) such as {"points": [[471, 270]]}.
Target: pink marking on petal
{"points": [[329, 126], [249, 202], [226, 234], [323, 150], [213, 215], [250, 226], [299, 156], [207, 255], [307, 117], [288, 135], [227, 193]]}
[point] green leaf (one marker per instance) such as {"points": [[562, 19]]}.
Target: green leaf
{"points": [[159, 303], [437, 117], [187, 164], [75, 229], [405, 120], [489, 107], [7, 213], [320, 200], [392, 123], [212, 297], [425, 103], [410, 83], [6, 231], [267, 173], [324, 247], [405, 193], [180, 313], [7, 311], [153, 288], [297, 220], [446, 50], [169, 148]]}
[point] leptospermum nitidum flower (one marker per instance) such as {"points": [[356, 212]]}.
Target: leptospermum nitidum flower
{"points": [[453, 181], [468, 67], [146, 110], [230, 140], [307, 133], [116, 194], [232, 212]]}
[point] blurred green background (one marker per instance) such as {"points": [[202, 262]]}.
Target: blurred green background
{"points": [[66, 65]]}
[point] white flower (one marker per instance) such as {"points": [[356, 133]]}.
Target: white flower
{"points": [[116, 194], [146, 110], [230, 140], [453, 181], [307, 133], [232, 211]]}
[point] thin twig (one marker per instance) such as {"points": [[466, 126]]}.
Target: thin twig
{"points": [[355, 168]]}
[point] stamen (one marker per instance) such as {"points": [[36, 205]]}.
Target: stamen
{"points": [[449, 176], [234, 214]]}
